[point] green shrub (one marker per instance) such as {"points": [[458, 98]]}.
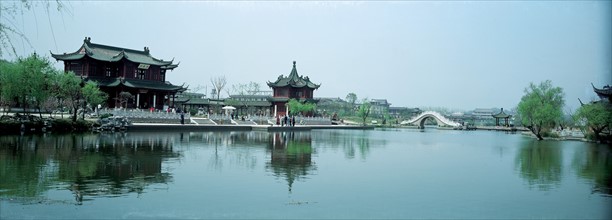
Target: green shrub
{"points": [[82, 125], [10, 127], [14, 127], [550, 134], [61, 125], [66, 125]]}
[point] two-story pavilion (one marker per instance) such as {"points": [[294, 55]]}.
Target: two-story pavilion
{"points": [[293, 86], [118, 70]]}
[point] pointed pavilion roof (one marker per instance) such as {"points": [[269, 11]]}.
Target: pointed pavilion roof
{"points": [[501, 114], [114, 54], [294, 80]]}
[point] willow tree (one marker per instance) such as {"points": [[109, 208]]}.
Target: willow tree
{"points": [[8, 91], [34, 74], [364, 110], [25, 81], [71, 91], [351, 98], [12, 13], [541, 107], [93, 95], [596, 117]]}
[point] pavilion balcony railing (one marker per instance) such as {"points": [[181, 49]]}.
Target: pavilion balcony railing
{"points": [[306, 120], [262, 119], [139, 113]]}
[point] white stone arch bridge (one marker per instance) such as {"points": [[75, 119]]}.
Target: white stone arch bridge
{"points": [[419, 120]]}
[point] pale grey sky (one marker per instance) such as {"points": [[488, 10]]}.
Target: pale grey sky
{"points": [[458, 55]]}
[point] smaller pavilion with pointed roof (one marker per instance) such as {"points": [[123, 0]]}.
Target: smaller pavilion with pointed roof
{"points": [[502, 116], [118, 70], [293, 86]]}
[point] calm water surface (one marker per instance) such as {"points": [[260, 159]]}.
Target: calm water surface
{"points": [[396, 173]]}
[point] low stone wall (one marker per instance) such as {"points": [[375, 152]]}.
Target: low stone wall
{"points": [[158, 120], [192, 127]]}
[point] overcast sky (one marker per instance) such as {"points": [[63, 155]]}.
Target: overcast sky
{"points": [[458, 55]]}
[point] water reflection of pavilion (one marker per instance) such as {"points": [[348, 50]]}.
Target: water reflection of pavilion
{"points": [[92, 165], [291, 156]]}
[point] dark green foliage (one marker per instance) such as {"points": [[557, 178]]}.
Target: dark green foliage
{"points": [[297, 107], [61, 125], [82, 125], [67, 125], [549, 134], [36, 126], [106, 115], [14, 127], [595, 118]]}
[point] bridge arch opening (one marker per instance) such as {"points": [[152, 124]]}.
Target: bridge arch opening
{"points": [[428, 120], [431, 121]]}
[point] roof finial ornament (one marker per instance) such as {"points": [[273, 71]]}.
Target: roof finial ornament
{"points": [[294, 63], [87, 40]]}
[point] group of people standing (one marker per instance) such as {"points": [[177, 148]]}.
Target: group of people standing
{"points": [[285, 121]]}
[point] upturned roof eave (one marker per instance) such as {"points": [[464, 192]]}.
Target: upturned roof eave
{"points": [[275, 85], [116, 54], [131, 83], [602, 91]]}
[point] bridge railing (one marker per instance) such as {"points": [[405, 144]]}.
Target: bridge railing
{"points": [[436, 115]]}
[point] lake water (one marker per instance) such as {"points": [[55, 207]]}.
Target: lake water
{"points": [[392, 173]]}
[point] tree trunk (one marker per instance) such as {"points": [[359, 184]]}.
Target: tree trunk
{"points": [[536, 131], [24, 106], [539, 136], [596, 133], [74, 114], [84, 106]]}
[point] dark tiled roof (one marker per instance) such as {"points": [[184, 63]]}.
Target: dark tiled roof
{"points": [[606, 91], [293, 80], [114, 54], [501, 114], [136, 83]]}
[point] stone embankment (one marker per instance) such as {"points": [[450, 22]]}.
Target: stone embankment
{"points": [[233, 127]]}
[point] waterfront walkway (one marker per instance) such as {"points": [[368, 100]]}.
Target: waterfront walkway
{"points": [[208, 127]]}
